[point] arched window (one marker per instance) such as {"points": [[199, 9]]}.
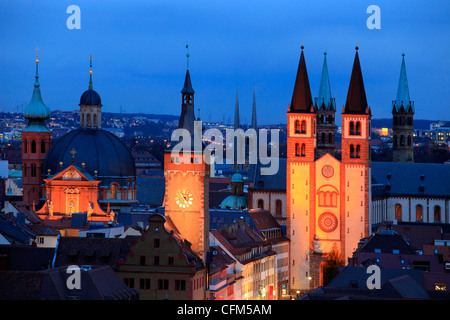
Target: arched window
{"points": [[297, 126], [409, 141], [358, 128], [437, 213], [327, 199], [358, 151], [33, 146], [297, 150], [42, 146], [113, 191], [303, 127], [303, 151], [33, 170], [261, 204], [330, 138], [398, 211], [419, 212], [402, 140], [352, 151], [88, 120], [95, 121], [352, 128], [278, 207], [322, 138]]}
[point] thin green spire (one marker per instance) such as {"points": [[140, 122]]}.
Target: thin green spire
{"points": [[91, 87]]}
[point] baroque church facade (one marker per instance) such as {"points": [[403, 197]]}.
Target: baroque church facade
{"points": [[89, 170]]}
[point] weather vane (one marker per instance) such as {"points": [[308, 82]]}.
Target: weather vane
{"points": [[187, 55], [37, 53]]}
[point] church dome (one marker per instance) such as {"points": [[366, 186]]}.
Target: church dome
{"points": [[237, 177], [234, 202], [90, 98], [99, 150]]}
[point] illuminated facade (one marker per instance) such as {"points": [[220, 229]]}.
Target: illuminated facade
{"points": [[327, 200], [186, 174]]}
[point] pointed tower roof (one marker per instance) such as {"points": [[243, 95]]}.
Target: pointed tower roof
{"points": [[403, 97], [254, 122], [187, 116], [237, 124], [356, 97], [187, 88], [36, 109], [301, 98], [90, 97], [324, 96]]}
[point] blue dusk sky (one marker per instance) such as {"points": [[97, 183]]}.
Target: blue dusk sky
{"points": [[139, 50]]}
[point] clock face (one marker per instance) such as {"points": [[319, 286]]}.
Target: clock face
{"points": [[184, 198], [327, 171]]}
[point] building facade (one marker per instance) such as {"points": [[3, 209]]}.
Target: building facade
{"points": [[325, 197]]}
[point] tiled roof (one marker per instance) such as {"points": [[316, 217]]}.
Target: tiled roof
{"points": [[98, 251], [421, 179]]}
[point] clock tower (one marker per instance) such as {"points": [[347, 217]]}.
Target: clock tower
{"points": [[186, 174]]}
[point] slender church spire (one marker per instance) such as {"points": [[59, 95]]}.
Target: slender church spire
{"points": [[301, 98], [91, 87], [254, 122], [324, 97], [403, 98], [356, 97], [187, 117], [36, 109], [236, 111]]}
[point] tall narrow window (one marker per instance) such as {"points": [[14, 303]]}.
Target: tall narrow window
{"points": [[358, 151], [33, 146], [398, 211], [303, 151], [303, 127], [358, 128], [419, 212], [297, 150], [261, 204], [352, 151], [352, 128], [33, 170], [437, 213], [297, 126], [278, 207], [42, 146]]}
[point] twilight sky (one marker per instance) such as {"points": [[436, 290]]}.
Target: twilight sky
{"points": [[139, 52]]}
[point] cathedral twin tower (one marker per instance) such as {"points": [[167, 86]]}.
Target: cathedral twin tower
{"points": [[328, 200]]}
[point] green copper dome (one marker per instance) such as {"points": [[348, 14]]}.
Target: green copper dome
{"points": [[36, 109], [234, 202]]}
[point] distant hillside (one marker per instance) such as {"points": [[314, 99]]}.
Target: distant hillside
{"points": [[162, 117], [387, 123]]}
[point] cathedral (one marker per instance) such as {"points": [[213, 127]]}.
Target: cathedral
{"points": [[327, 200]]}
